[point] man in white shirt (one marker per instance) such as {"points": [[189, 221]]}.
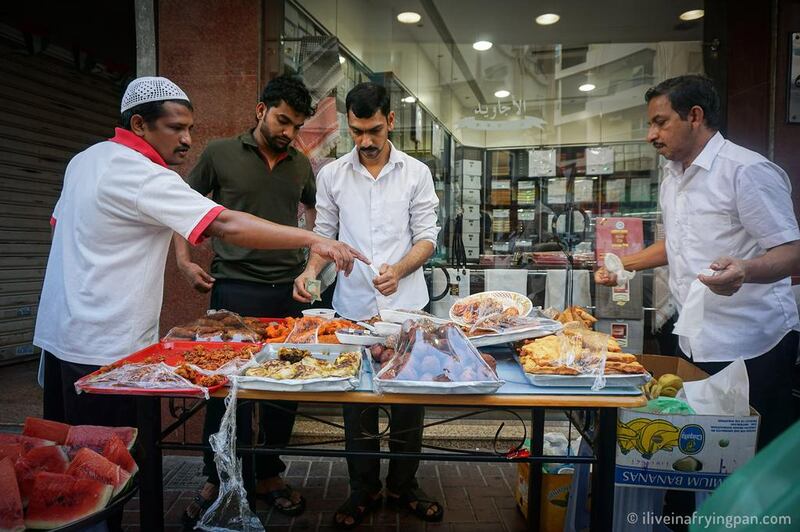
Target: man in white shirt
{"points": [[728, 209], [112, 227], [383, 201]]}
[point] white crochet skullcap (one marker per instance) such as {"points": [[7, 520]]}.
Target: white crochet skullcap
{"points": [[150, 89]]}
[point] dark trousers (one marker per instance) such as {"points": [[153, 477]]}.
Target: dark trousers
{"points": [[770, 378], [405, 436], [62, 404], [275, 425]]}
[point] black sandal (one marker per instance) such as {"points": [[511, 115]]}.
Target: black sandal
{"points": [[357, 507], [293, 509], [203, 504], [424, 503]]}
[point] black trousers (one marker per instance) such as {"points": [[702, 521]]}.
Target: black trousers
{"points": [[275, 425], [770, 378], [62, 404], [405, 436]]}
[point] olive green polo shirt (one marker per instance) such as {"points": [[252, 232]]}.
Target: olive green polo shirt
{"points": [[234, 173]]}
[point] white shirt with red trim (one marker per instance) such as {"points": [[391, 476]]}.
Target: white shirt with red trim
{"points": [[112, 229]]}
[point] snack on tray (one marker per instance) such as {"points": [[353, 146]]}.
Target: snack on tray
{"points": [[435, 353], [492, 312], [200, 379], [576, 314], [215, 326], [307, 330], [577, 351], [291, 354], [213, 358], [308, 367]]}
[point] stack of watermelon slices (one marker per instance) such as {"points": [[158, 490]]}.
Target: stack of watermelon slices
{"points": [[60, 473]]}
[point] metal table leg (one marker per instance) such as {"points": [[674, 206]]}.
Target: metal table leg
{"points": [[151, 489], [535, 469], [602, 512]]}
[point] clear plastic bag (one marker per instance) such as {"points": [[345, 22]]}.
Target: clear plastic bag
{"points": [[305, 330], [230, 511], [215, 326], [146, 376], [427, 352], [586, 351]]}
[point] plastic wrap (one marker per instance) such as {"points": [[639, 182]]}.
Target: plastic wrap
{"points": [[215, 326], [490, 310], [230, 511], [432, 358], [145, 376]]}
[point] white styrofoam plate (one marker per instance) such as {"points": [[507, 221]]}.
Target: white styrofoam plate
{"points": [[358, 337], [399, 316]]}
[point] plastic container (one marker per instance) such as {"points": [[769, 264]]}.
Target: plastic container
{"points": [[325, 313], [385, 328]]}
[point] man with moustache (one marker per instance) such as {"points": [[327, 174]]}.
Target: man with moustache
{"points": [[380, 198], [728, 209], [260, 173]]}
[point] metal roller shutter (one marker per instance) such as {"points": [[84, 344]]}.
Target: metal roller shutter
{"points": [[48, 112]]}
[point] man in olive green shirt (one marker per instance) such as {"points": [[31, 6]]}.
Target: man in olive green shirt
{"points": [[257, 172]]}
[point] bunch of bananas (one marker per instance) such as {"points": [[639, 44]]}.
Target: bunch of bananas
{"points": [[665, 386], [646, 436]]}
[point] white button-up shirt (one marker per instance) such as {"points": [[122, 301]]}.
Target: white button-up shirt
{"points": [[383, 218], [729, 201]]}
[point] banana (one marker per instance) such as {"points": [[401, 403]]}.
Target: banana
{"points": [[625, 432], [638, 424], [659, 440], [668, 391], [645, 442], [670, 380], [655, 391]]}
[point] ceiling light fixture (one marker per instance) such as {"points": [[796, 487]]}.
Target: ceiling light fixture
{"points": [[482, 46], [547, 19], [692, 14], [587, 87], [409, 99], [502, 93], [409, 17], [341, 60]]}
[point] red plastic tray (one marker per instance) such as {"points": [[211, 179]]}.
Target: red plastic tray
{"points": [[173, 351]]}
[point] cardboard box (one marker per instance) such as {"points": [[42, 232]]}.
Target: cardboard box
{"points": [[469, 167], [704, 450], [553, 502], [471, 182], [471, 196]]}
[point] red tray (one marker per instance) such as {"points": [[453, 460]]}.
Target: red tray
{"points": [[173, 351]]}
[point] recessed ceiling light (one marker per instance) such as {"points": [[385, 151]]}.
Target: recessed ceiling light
{"points": [[692, 14], [409, 17], [409, 99], [586, 87], [341, 59], [482, 46], [502, 93], [547, 19]]}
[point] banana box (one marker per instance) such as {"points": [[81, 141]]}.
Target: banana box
{"points": [[683, 452]]}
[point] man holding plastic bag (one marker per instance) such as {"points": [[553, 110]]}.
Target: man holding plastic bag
{"points": [[727, 209], [378, 198]]}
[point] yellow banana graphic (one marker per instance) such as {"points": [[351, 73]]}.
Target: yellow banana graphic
{"points": [[645, 444]]}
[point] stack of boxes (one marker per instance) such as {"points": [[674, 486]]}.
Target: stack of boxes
{"points": [[471, 172]]}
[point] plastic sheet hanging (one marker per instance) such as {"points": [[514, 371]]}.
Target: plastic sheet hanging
{"points": [[230, 511]]}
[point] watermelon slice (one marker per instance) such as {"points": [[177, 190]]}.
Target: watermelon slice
{"points": [[117, 452], [57, 500], [45, 429], [27, 442], [89, 464], [10, 450], [95, 437], [11, 519], [51, 458]]}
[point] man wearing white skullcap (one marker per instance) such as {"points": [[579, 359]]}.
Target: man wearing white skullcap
{"points": [[112, 227]]}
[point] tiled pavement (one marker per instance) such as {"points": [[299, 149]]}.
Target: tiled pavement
{"points": [[476, 497]]}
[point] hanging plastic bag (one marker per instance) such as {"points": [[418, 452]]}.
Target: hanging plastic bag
{"points": [[230, 512]]}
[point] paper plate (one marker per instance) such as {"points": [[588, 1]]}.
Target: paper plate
{"points": [[507, 299]]}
